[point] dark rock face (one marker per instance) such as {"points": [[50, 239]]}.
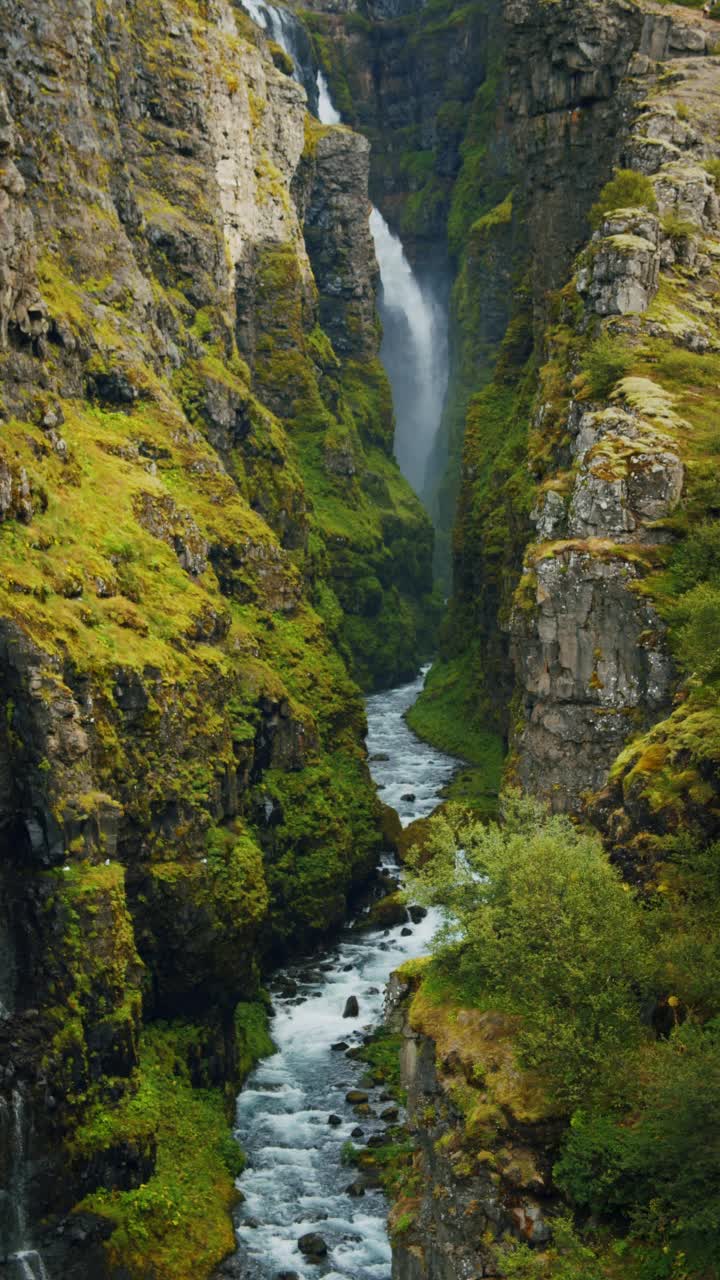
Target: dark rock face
{"points": [[174, 708], [466, 1205], [339, 243]]}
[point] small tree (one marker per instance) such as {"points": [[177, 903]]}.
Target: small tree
{"points": [[538, 923]]}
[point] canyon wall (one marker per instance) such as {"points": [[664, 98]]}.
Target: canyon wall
{"points": [[574, 463], [204, 538]]}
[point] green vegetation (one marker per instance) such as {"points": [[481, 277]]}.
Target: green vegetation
{"points": [[627, 189], [607, 361], [541, 930], [446, 714], [177, 1224], [539, 925]]}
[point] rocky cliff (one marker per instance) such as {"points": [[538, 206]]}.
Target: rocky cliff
{"points": [[576, 428], [484, 1140], [202, 532], [579, 208]]}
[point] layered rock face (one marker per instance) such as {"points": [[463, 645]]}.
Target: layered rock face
{"points": [[465, 1092], [191, 466], [590, 650]]}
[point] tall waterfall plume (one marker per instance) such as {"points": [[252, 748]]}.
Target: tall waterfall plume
{"points": [[414, 348], [414, 351], [327, 112]]}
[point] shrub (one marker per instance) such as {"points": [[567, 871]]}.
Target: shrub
{"points": [[626, 190], [539, 924], [713, 165], [697, 640], [607, 361], [662, 1171]]}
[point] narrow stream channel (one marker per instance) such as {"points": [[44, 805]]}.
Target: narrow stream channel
{"points": [[295, 1182]]}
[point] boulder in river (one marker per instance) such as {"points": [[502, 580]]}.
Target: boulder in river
{"points": [[385, 913], [336, 1120], [352, 1008], [312, 1246], [357, 1132], [356, 1097], [406, 933], [409, 796], [417, 913], [340, 1045], [356, 1188]]}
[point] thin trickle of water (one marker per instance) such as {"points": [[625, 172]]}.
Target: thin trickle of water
{"points": [[27, 1264], [414, 351], [295, 1182], [23, 1262]]}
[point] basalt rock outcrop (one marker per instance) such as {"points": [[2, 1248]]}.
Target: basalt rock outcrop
{"points": [[195, 453], [576, 450], [484, 1141]]}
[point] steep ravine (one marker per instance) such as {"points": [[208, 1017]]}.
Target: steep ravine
{"points": [[203, 538], [209, 554], [308, 1102]]}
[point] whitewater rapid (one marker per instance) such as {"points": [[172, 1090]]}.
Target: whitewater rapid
{"points": [[295, 1181]]}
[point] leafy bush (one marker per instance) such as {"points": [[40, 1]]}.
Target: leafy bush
{"points": [[626, 190], [568, 1258], [662, 1171], [539, 924], [697, 640], [607, 361]]}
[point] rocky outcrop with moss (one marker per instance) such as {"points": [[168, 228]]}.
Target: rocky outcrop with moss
{"points": [[623, 496], [202, 524], [578, 352], [484, 1136]]}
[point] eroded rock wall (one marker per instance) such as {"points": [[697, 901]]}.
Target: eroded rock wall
{"points": [[187, 467]]}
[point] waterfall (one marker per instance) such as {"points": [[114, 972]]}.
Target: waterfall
{"points": [[8, 963], [327, 114], [414, 352], [414, 347], [21, 1260], [283, 27]]}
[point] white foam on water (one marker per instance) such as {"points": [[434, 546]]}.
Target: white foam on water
{"points": [[295, 1181]]}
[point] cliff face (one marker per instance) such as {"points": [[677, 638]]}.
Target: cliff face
{"points": [[589, 625], [195, 457], [571, 481], [484, 1138]]}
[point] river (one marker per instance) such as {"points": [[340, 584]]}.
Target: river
{"points": [[295, 1182]]}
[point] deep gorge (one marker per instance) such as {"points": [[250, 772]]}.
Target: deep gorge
{"points": [[335, 339]]}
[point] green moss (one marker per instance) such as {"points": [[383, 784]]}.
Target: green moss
{"points": [[177, 1224], [252, 1036], [447, 715]]}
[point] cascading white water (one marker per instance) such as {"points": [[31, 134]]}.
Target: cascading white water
{"points": [[327, 112], [293, 1116], [414, 351], [22, 1262], [283, 27]]}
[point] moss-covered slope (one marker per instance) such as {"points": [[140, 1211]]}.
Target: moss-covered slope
{"points": [[201, 530]]}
